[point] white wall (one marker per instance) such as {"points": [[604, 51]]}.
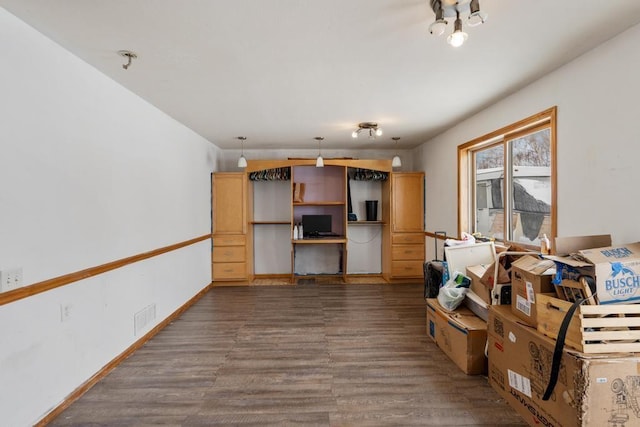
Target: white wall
{"points": [[90, 174], [597, 97]]}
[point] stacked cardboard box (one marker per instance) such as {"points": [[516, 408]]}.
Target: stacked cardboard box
{"points": [[529, 276], [460, 334], [598, 384], [592, 390], [614, 269]]}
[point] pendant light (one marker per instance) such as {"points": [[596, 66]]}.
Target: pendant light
{"points": [[319, 160], [396, 162], [242, 161]]}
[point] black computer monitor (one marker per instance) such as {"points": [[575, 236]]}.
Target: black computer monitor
{"points": [[316, 225]]}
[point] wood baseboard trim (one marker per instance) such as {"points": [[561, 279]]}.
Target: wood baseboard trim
{"points": [[272, 276], [86, 386], [56, 282]]}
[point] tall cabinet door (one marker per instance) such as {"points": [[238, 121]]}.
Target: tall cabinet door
{"points": [[407, 202], [229, 203], [405, 242], [232, 248]]}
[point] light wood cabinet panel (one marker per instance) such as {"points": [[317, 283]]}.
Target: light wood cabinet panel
{"points": [[229, 271], [232, 250], [229, 240], [229, 203], [403, 238], [406, 269], [407, 238], [407, 252], [225, 254], [407, 202]]}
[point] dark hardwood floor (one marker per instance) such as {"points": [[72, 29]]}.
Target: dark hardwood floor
{"points": [[318, 354]]}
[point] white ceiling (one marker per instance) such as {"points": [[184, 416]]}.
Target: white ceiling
{"points": [[281, 72]]}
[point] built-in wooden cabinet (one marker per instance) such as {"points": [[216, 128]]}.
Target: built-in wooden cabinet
{"points": [[403, 236], [238, 223], [232, 254]]}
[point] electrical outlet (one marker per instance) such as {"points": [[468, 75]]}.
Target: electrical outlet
{"points": [[10, 279], [65, 312]]}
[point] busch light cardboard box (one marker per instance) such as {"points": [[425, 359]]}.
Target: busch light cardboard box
{"points": [[616, 270]]}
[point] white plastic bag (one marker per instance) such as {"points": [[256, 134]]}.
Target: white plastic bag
{"points": [[467, 239], [450, 296]]}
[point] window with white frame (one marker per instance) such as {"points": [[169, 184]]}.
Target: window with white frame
{"points": [[507, 182]]}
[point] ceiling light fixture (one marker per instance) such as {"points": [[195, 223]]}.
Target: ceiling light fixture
{"points": [[453, 9], [130, 57], [319, 160], [371, 127], [396, 162], [242, 161], [458, 37]]}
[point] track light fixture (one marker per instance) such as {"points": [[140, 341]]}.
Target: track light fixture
{"points": [[454, 9], [319, 160], [396, 162], [242, 161], [370, 127]]}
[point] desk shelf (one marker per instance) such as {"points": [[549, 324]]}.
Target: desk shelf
{"points": [[271, 222], [328, 203], [320, 241]]}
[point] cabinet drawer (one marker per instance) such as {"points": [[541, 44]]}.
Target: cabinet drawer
{"points": [[407, 238], [229, 270], [406, 269], [407, 252], [230, 240], [229, 254]]}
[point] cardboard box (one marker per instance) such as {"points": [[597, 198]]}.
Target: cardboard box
{"points": [[616, 270], [475, 273], [592, 390], [474, 303], [530, 276], [570, 245], [460, 334]]}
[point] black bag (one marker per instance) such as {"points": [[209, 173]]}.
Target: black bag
{"points": [[433, 271]]}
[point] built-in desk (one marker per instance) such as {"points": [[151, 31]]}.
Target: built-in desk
{"points": [[339, 241]]}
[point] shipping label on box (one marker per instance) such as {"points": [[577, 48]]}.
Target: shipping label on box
{"points": [[529, 276]]}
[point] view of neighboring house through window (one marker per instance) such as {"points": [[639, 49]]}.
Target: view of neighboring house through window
{"points": [[507, 182]]}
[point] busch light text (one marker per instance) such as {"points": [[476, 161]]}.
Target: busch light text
{"points": [[617, 253], [623, 282]]}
